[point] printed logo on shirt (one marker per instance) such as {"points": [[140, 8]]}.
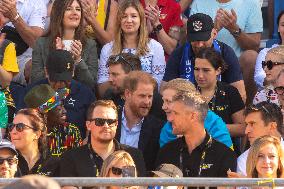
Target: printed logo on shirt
{"points": [[205, 166]]}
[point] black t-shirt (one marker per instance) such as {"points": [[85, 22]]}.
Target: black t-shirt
{"points": [[217, 161], [231, 75], [85, 162], [44, 166], [226, 101]]}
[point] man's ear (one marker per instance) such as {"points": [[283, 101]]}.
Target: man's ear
{"points": [[88, 125], [214, 33], [273, 126], [127, 93]]}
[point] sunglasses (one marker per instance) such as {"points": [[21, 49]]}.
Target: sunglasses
{"points": [[269, 64], [11, 161], [101, 121], [125, 171], [279, 90], [120, 57], [261, 108], [19, 127]]}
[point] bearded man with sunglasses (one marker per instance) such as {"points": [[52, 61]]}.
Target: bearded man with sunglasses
{"points": [[86, 161], [8, 159]]}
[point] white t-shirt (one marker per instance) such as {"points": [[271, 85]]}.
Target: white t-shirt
{"points": [[153, 62]]}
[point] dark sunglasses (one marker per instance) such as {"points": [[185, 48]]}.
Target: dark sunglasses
{"points": [[120, 57], [260, 108], [125, 171], [19, 127], [269, 64], [279, 90], [11, 161], [101, 121]]}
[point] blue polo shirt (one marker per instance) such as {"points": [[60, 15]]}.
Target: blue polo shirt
{"points": [[215, 126]]}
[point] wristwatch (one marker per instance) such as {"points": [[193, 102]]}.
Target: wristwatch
{"points": [[158, 28], [237, 33]]}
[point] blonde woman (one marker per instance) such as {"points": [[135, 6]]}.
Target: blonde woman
{"points": [[118, 164], [131, 36], [265, 158]]}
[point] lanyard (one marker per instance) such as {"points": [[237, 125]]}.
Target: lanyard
{"points": [[93, 160], [203, 156]]}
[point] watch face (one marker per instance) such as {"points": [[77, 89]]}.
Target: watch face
{"points": [[159, 27]]}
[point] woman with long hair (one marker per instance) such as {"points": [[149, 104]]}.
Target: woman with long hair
{"points": [[28, 134], [66, 31], [118, 164], [131, 36], [265, 158], [223, 99]]}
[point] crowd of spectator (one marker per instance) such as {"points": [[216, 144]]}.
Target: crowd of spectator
{"points": [[134, 88]]}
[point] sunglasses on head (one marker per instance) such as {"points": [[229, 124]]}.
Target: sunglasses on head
{"points": [[101, 121], [120, 57], [10, 160], [19, 127], [269, 64], [279, 90]]}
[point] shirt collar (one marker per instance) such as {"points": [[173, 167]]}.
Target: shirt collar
{"points": [[136, 128], [202, 146]]}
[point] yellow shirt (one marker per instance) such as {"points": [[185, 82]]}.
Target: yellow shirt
{"points": [[10, 59]]}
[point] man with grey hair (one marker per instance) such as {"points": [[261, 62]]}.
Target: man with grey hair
{"points": [[196, 153]]}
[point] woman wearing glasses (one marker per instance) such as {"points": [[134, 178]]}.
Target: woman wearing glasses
{"points": [[222, 99], [66, 31], [28, 135], [118, 164], [265, 158], [131, 37], [259, 73], [273, 64]]}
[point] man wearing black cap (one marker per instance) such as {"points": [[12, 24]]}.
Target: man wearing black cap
{"points": [[200, 34], [59, 72], [8, 159]]}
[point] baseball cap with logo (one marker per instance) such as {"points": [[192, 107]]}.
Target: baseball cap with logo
{"points": [[199, 27], [60, 65], [168, 170]]}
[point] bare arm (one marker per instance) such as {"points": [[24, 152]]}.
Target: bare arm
{"points": [[241, 88], [5, 77], [249, 41], [238, 127], [103, 36]]}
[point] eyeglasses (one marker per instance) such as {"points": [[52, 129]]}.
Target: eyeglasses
{"points": [[11, 161], [120, 57], [269, 64], [19, 127], [125, 171], [101, 121], [279, 90]]}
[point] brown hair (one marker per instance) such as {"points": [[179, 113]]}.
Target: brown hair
{"points": [[103, 103], [142, 41], [38, 122], [129, 62], [254, 152], [131, 81], [56, 22]]}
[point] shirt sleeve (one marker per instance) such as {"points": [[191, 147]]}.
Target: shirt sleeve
{"points": [[38, 15], [259, 73], [37, 72], [229, 162], [241, 163], [255, 22], [10, 59], [236, 102], [172, 66], [233, 73], [103, 69]]}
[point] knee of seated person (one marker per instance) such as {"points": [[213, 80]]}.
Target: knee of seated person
{"points": [[248, 58]]}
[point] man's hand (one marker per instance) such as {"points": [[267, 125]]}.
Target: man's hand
{"points": [[234, 174], [3, 20], [227, 20], [8, 9], [90, 10], [153, 14]]}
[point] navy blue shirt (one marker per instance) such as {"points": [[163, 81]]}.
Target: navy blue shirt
{"points": [[230, 75], [76, 104]]}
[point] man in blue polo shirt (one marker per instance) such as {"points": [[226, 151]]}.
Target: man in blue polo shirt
{"points": [[200, 34]]}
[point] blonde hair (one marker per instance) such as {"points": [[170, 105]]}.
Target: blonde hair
{"points": [[254, 152], [113, 159], [179, 85], [142, 47], [279, 50]]}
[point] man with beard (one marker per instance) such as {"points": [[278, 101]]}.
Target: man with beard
{"points": [[87, 160], [136, 127], [201, 33], [61, 134]]}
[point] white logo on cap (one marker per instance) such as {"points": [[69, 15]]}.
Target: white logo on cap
{"points": [[197, 25]]}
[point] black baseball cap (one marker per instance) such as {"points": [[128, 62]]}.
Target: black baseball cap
{"points": [[60, 65], [199, 27]]}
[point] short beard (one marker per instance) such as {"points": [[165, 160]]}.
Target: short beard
{"points": [[104, 141]]}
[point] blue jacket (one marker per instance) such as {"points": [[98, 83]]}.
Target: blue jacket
{"points": [[215, 126]]}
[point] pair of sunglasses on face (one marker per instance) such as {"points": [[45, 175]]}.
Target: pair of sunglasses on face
{"points": [[10, 160], [19, 127], [125, 171], [101, 121], [269, 64]]}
